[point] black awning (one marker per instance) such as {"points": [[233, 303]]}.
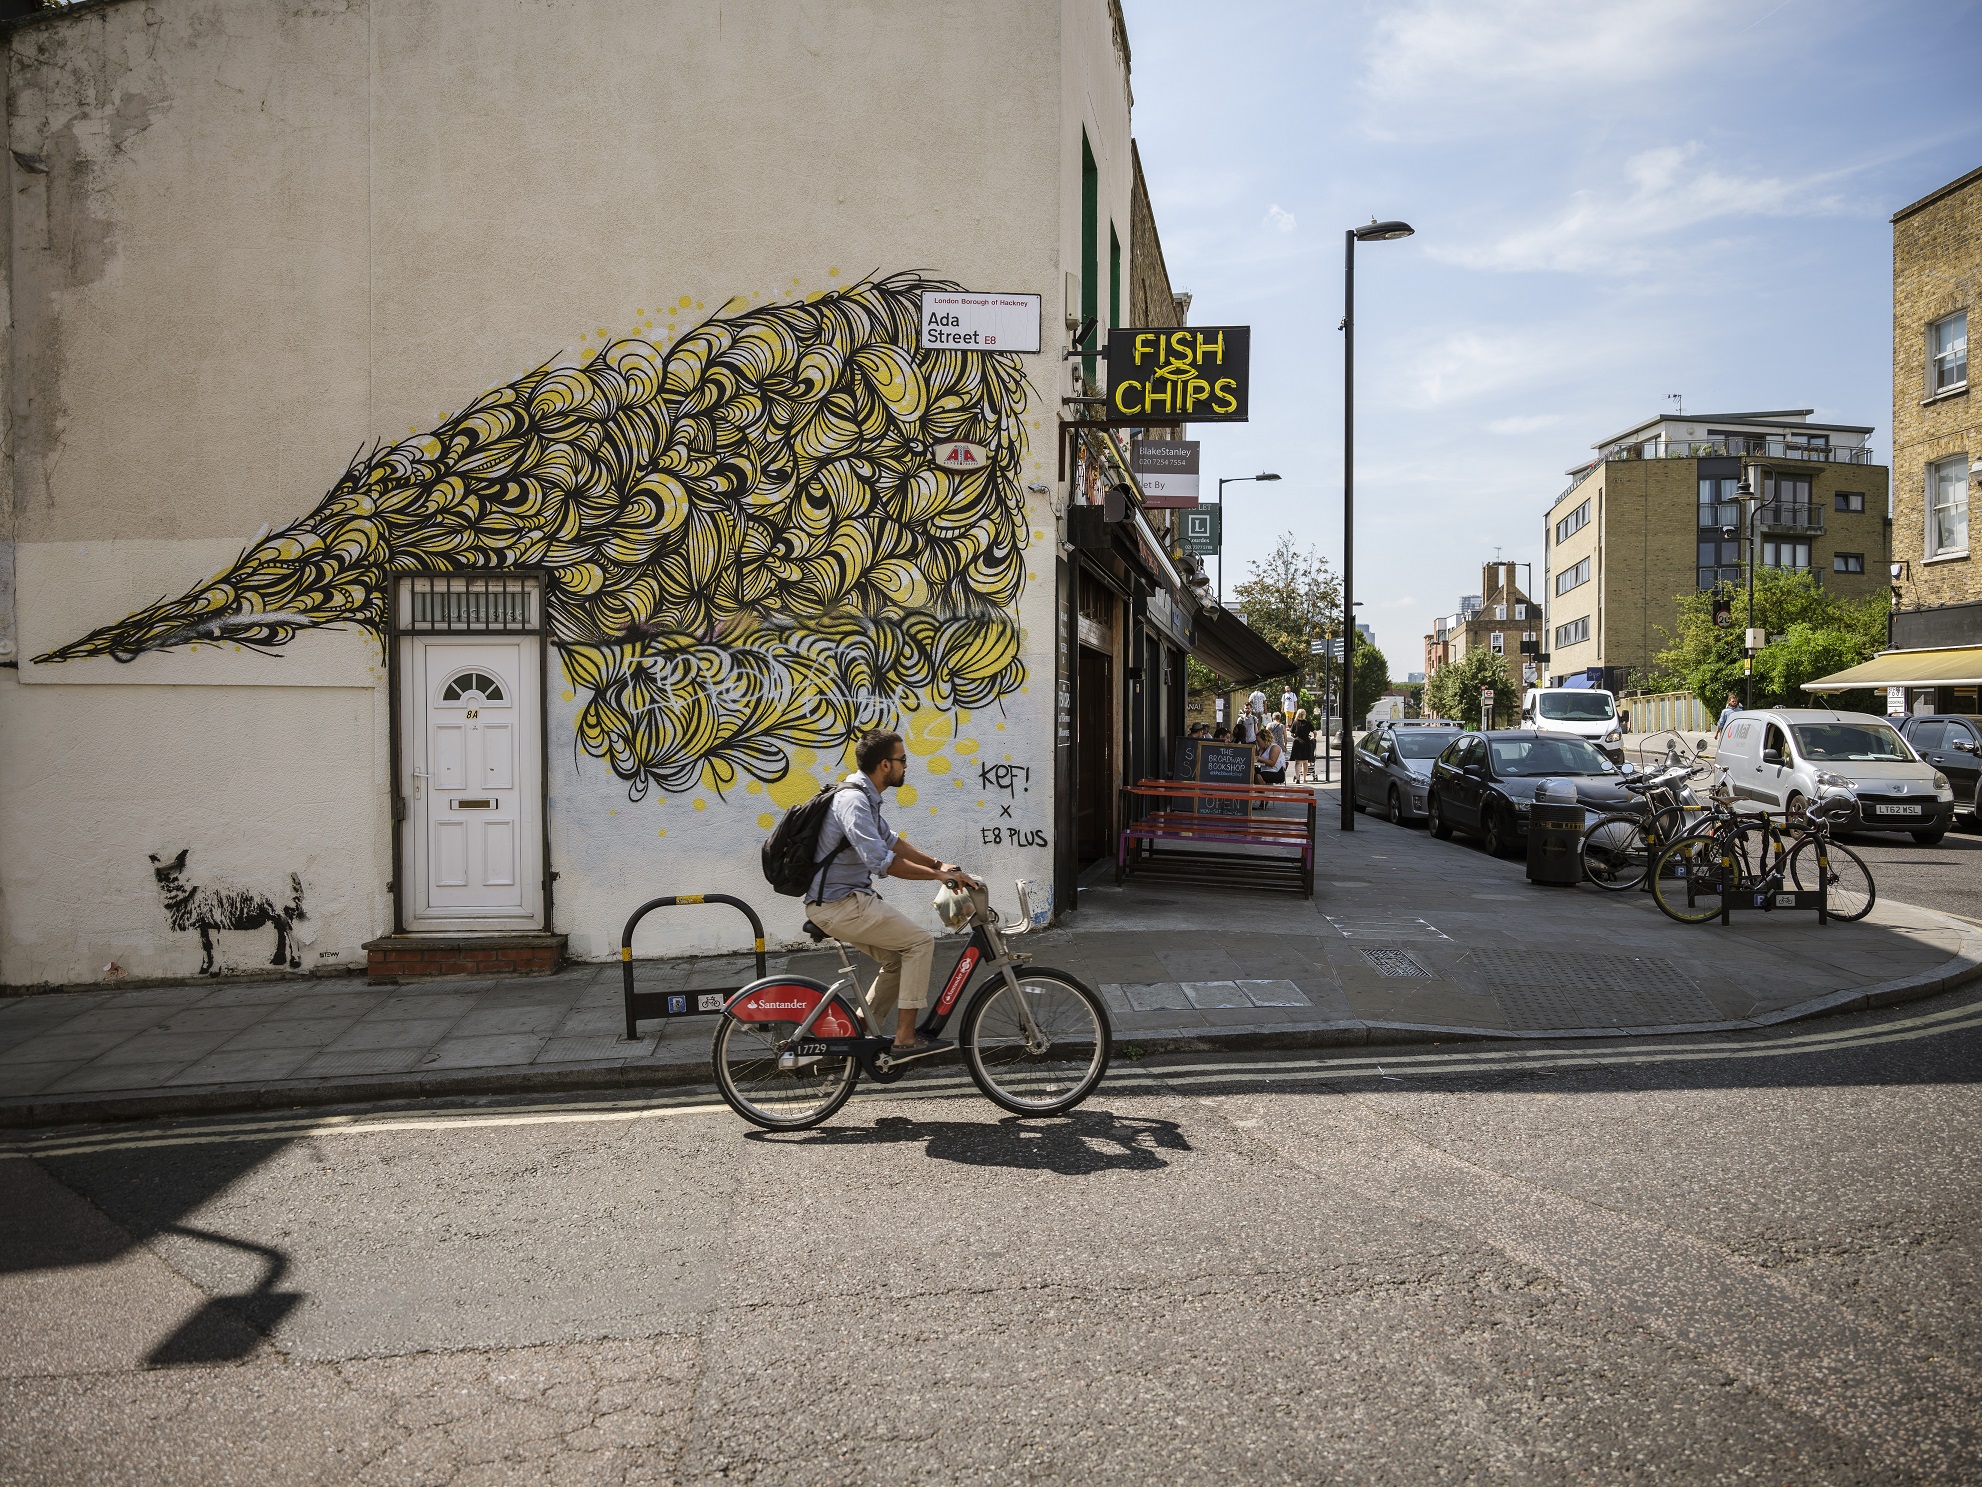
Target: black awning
{"points": [[1237, 653]]}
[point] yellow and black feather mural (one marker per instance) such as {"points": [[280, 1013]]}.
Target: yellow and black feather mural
{"points": [[749, 546]]}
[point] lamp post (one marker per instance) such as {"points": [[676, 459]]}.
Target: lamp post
{"points": [[1376, 232], [1229, 480], [1745, 494]]}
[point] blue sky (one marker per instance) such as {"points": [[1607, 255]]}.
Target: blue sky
{"points": [[1614, 201]]}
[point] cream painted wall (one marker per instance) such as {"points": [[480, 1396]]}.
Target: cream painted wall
{"points": [[268, 239]]}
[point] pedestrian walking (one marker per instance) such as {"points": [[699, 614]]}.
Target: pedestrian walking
{"points": [[1288, 703], [1733, 707], [1302, 753]]}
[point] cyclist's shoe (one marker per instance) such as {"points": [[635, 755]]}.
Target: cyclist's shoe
{"points": [[920, 1048]]}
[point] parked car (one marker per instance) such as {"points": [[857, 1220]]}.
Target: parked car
{"points": [[1780, 757], [1587, 712], [1952, 743], [1393, 768], [1484, 783]]}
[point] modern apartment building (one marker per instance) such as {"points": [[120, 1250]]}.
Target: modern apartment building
{"points": [[1655, 515]]}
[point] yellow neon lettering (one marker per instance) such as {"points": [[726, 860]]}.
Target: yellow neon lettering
{"points": [[1145, 343], [1121, 393], [1195, 389], [1180, 345], [1226, 402], [1166, 390], [1218, 345]]}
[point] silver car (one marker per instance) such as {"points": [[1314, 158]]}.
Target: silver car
{"points": [[1393, 765], [1782, 756]]}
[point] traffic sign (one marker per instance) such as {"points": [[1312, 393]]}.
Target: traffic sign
{"points": [[1486, 696]]}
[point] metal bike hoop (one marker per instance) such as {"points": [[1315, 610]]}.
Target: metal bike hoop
{"points": [[695, 1001]]}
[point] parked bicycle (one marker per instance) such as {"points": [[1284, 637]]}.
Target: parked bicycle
{"points": [[1619, 847], [789, 1050], [1743, 853]]}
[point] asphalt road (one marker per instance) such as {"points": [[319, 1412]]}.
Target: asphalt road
{"points": [[1946, 876], [1743, 1259]]}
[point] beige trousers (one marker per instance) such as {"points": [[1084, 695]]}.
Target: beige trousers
{"points": [[902, 947]]}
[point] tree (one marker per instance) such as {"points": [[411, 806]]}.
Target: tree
{"points": [[1290, 599], [1372, 678], [1812, 632], [1454, 690]]}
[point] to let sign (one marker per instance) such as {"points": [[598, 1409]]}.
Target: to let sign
{"points": [[1166, 469], [1200, 373], [963, 320], [1203, 530]]}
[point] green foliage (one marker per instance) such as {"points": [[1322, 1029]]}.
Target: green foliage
{"points": [[1812, 632], [1372, 678], [1289, 599], [1454, 690]]}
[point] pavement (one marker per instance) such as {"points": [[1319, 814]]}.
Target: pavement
{"points": [[1407, 940]]}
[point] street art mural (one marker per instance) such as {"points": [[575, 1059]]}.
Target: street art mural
{"points": [[228, 906], [750, 546]]}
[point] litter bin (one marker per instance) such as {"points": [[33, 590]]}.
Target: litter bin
{"points": [[1555, 835]]}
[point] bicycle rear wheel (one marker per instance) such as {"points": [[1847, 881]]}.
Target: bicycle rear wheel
{"points": [[746, 1059], [1616, 851], [1687, 879], [1048, 1077], [1848, 885]]}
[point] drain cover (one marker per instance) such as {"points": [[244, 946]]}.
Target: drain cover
{"points": [[1394, 963]]}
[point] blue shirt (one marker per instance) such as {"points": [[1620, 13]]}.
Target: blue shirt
{"points": [[855, 819]]}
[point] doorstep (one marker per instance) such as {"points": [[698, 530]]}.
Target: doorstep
{"points": [[395, 958]]}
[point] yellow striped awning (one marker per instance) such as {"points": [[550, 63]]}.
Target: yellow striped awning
{"points": [[1958, 666]]}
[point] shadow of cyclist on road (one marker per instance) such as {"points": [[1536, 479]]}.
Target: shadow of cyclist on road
{"points": [[1076, 1145]]}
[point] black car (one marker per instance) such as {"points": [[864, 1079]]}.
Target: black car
{"points": [[1952, 743], [1484, 783]]}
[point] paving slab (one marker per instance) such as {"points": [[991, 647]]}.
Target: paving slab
{"points": [[1407, 939]]}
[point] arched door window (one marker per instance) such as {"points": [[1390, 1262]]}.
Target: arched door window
{"points": [[465, 686]]}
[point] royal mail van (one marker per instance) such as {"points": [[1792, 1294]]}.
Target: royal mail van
{"points": [[1779, 757]]}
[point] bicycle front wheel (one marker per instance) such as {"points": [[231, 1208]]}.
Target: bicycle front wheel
{"points": [[1616, 851], [1848, 882], [1045, 1072], [1687, 879], [746, 1059]]}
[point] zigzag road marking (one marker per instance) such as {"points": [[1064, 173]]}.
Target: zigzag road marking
{"points": [[1138, 1076]]}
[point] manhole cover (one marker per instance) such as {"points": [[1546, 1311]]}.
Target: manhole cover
{"points": [[1395, 963]]}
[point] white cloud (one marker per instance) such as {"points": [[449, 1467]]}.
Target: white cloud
{"points": [[1434, 67], [1278, 218], [1402, 601], [1468, 364], [1665, 191], [1526, 424]]}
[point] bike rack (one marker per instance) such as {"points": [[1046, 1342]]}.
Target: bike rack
{"points": [[696, 1001]]}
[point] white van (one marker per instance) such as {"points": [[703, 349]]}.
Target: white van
{"points": [[1780, 756], [1587, 712]]}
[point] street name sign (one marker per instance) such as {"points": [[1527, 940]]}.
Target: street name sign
{"points": [[1200, 373], [962, 320], [1167, 470]]}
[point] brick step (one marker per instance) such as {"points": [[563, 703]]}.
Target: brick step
{"points": [[408, 957]]}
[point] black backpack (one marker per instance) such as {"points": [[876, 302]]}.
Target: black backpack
{"points": [[788, 851]]}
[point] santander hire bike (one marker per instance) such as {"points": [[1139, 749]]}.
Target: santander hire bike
{"points": [[789, 1050]]}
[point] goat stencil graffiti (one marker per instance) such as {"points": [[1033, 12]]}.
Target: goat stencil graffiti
{"points": [[228, 906], [750, 545]]}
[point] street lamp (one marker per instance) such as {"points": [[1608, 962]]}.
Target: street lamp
{"points": [[1376, 232], [1745, 494], [1229, 480]]}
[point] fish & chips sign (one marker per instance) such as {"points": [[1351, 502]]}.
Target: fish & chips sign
{"points": [[1199, 373]]}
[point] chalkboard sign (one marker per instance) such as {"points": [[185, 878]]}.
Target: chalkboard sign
{"points": [[1215, 763]]}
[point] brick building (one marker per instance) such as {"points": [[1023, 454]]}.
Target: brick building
{"points": [[1654, 515]]}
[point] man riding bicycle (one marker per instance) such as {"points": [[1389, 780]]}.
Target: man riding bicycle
{"points": [[856, 844]]}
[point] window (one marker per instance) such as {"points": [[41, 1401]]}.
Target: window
{"points": [[1947, 353], [1573, 633], [1720, 561], [1926, 738], [1848, 562], [1571, 578], [1718, 508], [1786, 554], [1520, 611], [1500, 611], [1850, 500], [1947, 507], [472, 681], [1574, 522], [1786, 501], [1498, 642]]}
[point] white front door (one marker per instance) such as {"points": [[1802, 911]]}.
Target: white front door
{"points": [[474, 783]]}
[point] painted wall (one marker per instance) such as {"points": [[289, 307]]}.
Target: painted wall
{"points": [[303, 301]]}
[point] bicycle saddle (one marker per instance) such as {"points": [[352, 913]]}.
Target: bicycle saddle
{"points": [[818, 935]]}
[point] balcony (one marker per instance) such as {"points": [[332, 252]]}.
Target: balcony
{"points": [[1753, 448], [1792, 516]]}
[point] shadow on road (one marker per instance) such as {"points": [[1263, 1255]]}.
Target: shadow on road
{"points": [[1077, 1145]]}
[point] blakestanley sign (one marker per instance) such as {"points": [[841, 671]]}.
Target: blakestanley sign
{"points": [[958, 320], [1200, 373], [1166, 469]]}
